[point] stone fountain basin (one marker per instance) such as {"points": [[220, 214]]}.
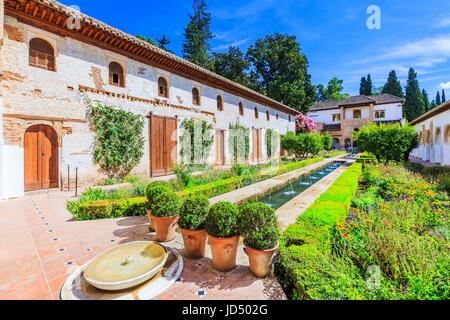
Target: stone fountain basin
{"points": [[126, 265]]}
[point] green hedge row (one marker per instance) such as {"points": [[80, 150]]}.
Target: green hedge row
{"points": [[335, 154], [220, 187], [113, 208], [305, 261]]}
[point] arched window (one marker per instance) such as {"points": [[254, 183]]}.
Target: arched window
{"points": [[256, 113], [195, 97], [380, 115], [241, 108], [357, 114], [438, 136], [163, 90], [268, 115], [219, 103], [41, 54], [116, 77]]}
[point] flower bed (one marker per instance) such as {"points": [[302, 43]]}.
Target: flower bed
{"points": [[391, 244]]}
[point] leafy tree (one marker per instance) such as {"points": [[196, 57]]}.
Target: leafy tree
{"points": [[387, 141], [163, 42], [149, 40], [393, 85], [197, 35], [426, 100], [280, 70], [443, 96], [232, 65], [438, 99], [302, 144], [120, 140], [414, 106], [332, 92], [327, 141], [376, 91]]}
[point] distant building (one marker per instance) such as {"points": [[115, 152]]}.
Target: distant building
{"points": [[341, 117], [434, 136]]}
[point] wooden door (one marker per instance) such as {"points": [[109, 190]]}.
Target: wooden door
{"points": [[163, 144], [220, 148], [40, 158], [257, 151]]}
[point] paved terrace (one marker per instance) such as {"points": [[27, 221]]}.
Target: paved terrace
{"points": [[41, 244]]}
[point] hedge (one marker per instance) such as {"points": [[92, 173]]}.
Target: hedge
{"points": [[335, 154], [305, 261], [217, 188], [111, 208]]}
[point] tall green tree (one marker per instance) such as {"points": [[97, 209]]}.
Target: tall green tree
{"points": [[438, 99], [414, 106], [426, 100], [332, 92], [393, 85], [163, 43], [366, 86], [197, 35], [281, 71], [443, 96], [232, 65], [362, 86]]}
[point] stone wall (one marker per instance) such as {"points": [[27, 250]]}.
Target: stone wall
{"points": [[59, 98]]}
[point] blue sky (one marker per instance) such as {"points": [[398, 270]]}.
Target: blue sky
{"points": [[333, 34]]}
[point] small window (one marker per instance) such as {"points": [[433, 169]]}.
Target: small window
{"points": [[289, 118], [241, 108], [116, 77], [380, 115], [357, 114], [256, 113], [41, 54], [336, 117], [163, 90], [268, 115], [195, 97], [277, 116], [219, 103]]}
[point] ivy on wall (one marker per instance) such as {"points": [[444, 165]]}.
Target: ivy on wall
{"points": [[196, 142], [239, 143], [272, 142], [120, 140]]}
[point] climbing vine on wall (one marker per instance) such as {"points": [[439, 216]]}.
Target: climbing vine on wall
{"points": [[196, 142], [239, 142], [272, 142], [120, 140]]}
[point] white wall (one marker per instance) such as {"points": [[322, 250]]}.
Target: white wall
{"points": [[1, 149]]}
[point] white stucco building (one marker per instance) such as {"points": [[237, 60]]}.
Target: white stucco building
{"points": [[434, 136], [53, 60], [341, 117]]}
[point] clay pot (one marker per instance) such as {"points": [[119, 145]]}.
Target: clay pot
{"points": [[165, 228], [260, 260], [194, 243], [149, 213], [224, 252]]}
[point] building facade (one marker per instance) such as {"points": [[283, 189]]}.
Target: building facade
{"points": [[56, 62], [434, 136], [341, 117]]}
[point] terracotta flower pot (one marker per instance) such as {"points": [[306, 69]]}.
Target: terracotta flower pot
{"points": [[149, 213], [165, 227], [194, 243], [224, 252], [260, 260]]}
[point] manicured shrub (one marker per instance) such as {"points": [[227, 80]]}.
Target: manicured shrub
{"points": [[223, 220], [387, 141], [167, 204], [99, 209], [327, 141], [155, 188], [133, 207], [259, 227], [193, 213], [302, 144]]}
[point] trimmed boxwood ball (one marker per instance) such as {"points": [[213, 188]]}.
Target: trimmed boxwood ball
{"points": [[259, 226], [223, 220], [167, 204], [193, 213], [156, 188]]}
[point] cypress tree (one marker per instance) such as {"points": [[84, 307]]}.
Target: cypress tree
{"points": [[393, 85], [414, 105], [369, 85], [438, 98], [443, 96], [426, 100], [362, 86], [196, 45]]}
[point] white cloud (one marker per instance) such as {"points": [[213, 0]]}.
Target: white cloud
{"points": [[234, 44], [444, 22], [445, 85]]}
